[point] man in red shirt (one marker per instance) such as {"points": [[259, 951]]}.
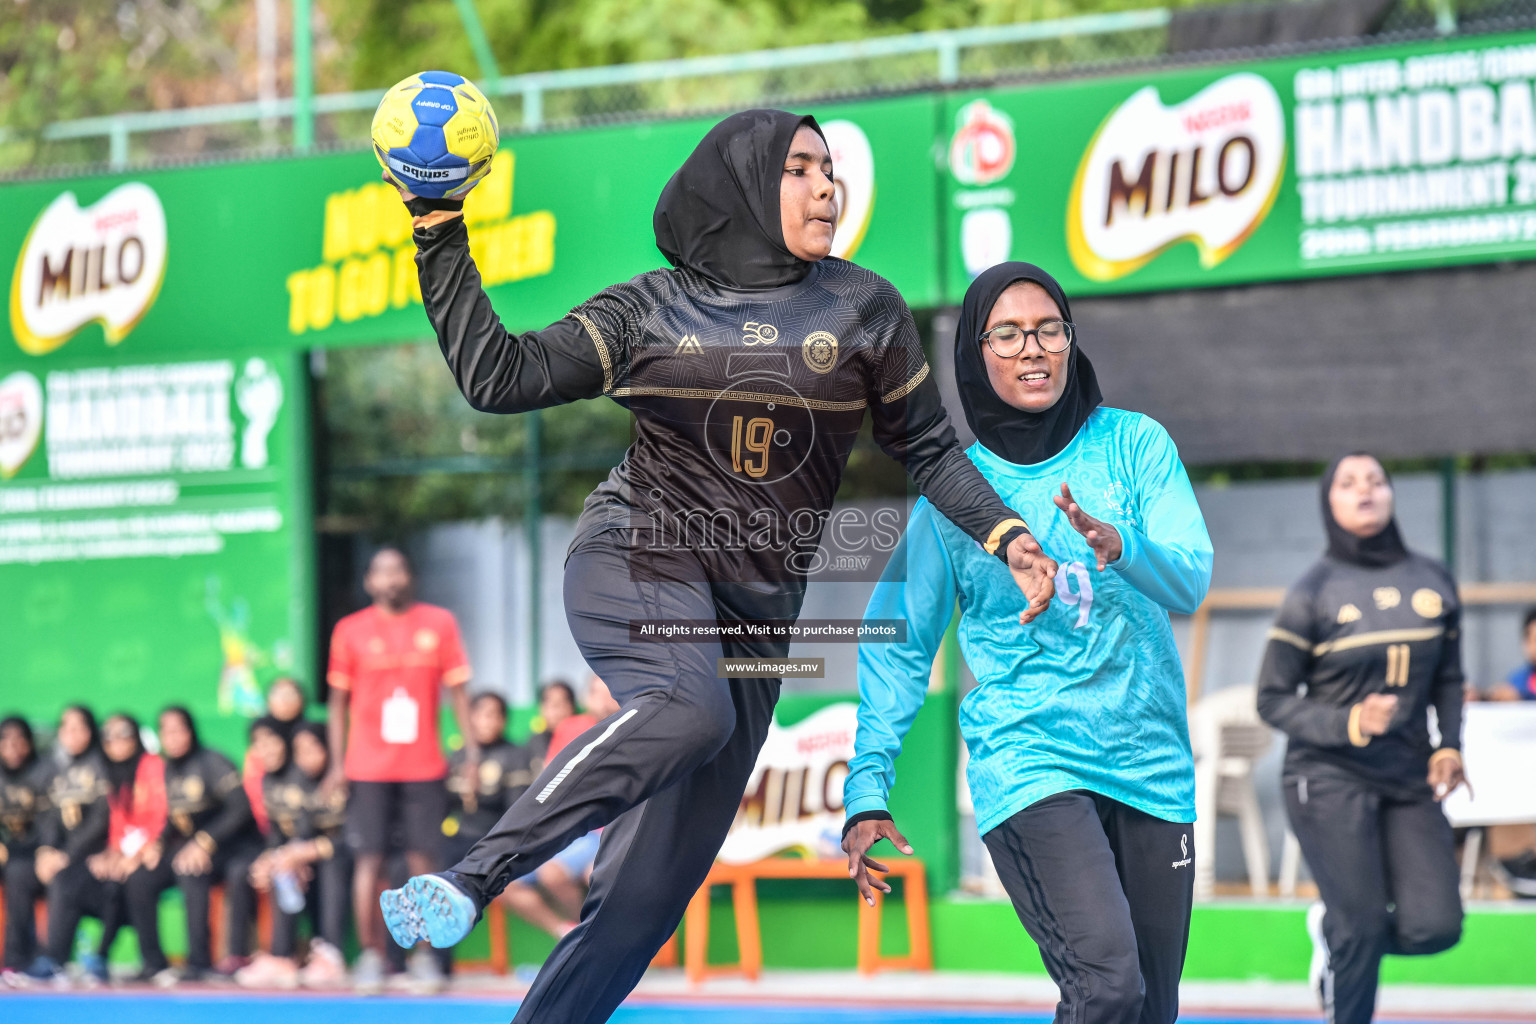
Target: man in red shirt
{"points": [[388, 664]]}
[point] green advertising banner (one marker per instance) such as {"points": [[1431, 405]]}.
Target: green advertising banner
{"points": [[1345, 162], [155, 537], [316, 251]]}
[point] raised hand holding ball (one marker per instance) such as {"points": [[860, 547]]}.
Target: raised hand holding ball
{"points": [[435, 134]]}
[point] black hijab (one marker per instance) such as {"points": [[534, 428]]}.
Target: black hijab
{"points": [[1374, 552], [719, 214], [89, 718], [282, 730], [121, 774], [24, 727], [1023, 438], [186, 718]]}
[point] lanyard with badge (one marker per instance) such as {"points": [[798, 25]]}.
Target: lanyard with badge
{"points": [[400, 722]]}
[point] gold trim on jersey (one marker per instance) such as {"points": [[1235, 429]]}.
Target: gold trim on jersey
{"points": [[1276, 633], [740, 396], [907, 388], [602, 349], [996, 536], [1356, 737], [1381, 636]]}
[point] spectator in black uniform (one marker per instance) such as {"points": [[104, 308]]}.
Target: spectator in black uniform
{"points": [[23, 783], [749, 366], [210, 837], [1373, 633], [74, 828], [304, 842]]}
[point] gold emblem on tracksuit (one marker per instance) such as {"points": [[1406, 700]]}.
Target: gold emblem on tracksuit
{"points": [[819, 350], [1428, 603], [1387, 597], [1348, 613]]}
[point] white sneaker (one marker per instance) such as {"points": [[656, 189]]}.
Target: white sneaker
{"points": [[426, 978], [368, 973], [326, 968], [1318, 976]]}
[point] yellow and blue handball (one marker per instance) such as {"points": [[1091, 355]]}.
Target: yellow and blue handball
{"points": [[435, 134]]}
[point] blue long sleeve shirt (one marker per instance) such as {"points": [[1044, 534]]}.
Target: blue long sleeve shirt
{"points": [[1091, 694]]}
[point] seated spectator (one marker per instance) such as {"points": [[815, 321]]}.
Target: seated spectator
{"points": [[557, 702], [23, 781], [74, 828], [209, 837], [305, 844], [1521, 683], [136, 815], [285, 712]]}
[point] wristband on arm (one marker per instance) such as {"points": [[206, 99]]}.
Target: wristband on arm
{"points": [[865, 816]]}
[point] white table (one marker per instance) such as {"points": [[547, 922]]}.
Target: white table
{"points": [[1498, 743]]}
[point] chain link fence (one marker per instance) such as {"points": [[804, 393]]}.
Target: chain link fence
{"points": [[797, 76]]}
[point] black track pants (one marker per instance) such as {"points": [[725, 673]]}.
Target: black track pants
{"points": [[75, 893], [665, 774], [22, 890], [327, 904], [1105, 891], [142, 890], [1386, 870]]}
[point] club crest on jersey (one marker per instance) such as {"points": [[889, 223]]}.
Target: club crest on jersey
{"points": [[1349, 613], [819, 349], [1428, 603], [688, 343], [1387, 598], [755, 333]]}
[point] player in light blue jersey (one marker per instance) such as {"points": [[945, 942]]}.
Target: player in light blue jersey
{"points": [[1080, 766]]}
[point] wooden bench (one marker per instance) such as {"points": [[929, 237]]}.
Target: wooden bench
{"points": [[743, 881], [500, 959]]}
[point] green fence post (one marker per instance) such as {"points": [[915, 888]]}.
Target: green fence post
{"points": [[303, 77], [478, 42]]}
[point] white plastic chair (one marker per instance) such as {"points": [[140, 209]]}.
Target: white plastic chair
{"points": [[1228, 738]]}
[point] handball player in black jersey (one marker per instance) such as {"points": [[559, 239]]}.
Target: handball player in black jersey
{"points": [[748, 367], [1373, 633]]}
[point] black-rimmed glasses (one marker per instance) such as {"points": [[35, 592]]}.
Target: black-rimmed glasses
{"points": [[1008, 340]]}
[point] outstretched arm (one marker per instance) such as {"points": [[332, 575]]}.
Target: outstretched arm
{"points": [[919, 587], [912, 427], [496, 369]]}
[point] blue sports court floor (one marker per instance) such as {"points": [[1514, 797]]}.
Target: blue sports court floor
{"points": [[240, 1008]]}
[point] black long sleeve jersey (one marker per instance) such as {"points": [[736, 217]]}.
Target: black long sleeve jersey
{"points": [[23, 801], [299, 807], [506, 770], [77, 814], [746, 404], [1345, 632], [205, 798]]}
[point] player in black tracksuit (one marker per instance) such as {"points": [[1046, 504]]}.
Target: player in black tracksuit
{"points": [[1373, 633], [749, 367], [74, 827], [23, 785]]}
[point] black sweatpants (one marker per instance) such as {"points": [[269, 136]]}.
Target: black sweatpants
{"points": [[231, 869], [665, 774], [22, 890], [1386, 870], [327, 905], [75, 893], [1105, 891]]}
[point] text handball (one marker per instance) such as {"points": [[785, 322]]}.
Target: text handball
{"points": [[434, 134]]}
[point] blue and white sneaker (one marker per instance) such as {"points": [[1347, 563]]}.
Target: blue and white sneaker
{"points": [[428, 907]]}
